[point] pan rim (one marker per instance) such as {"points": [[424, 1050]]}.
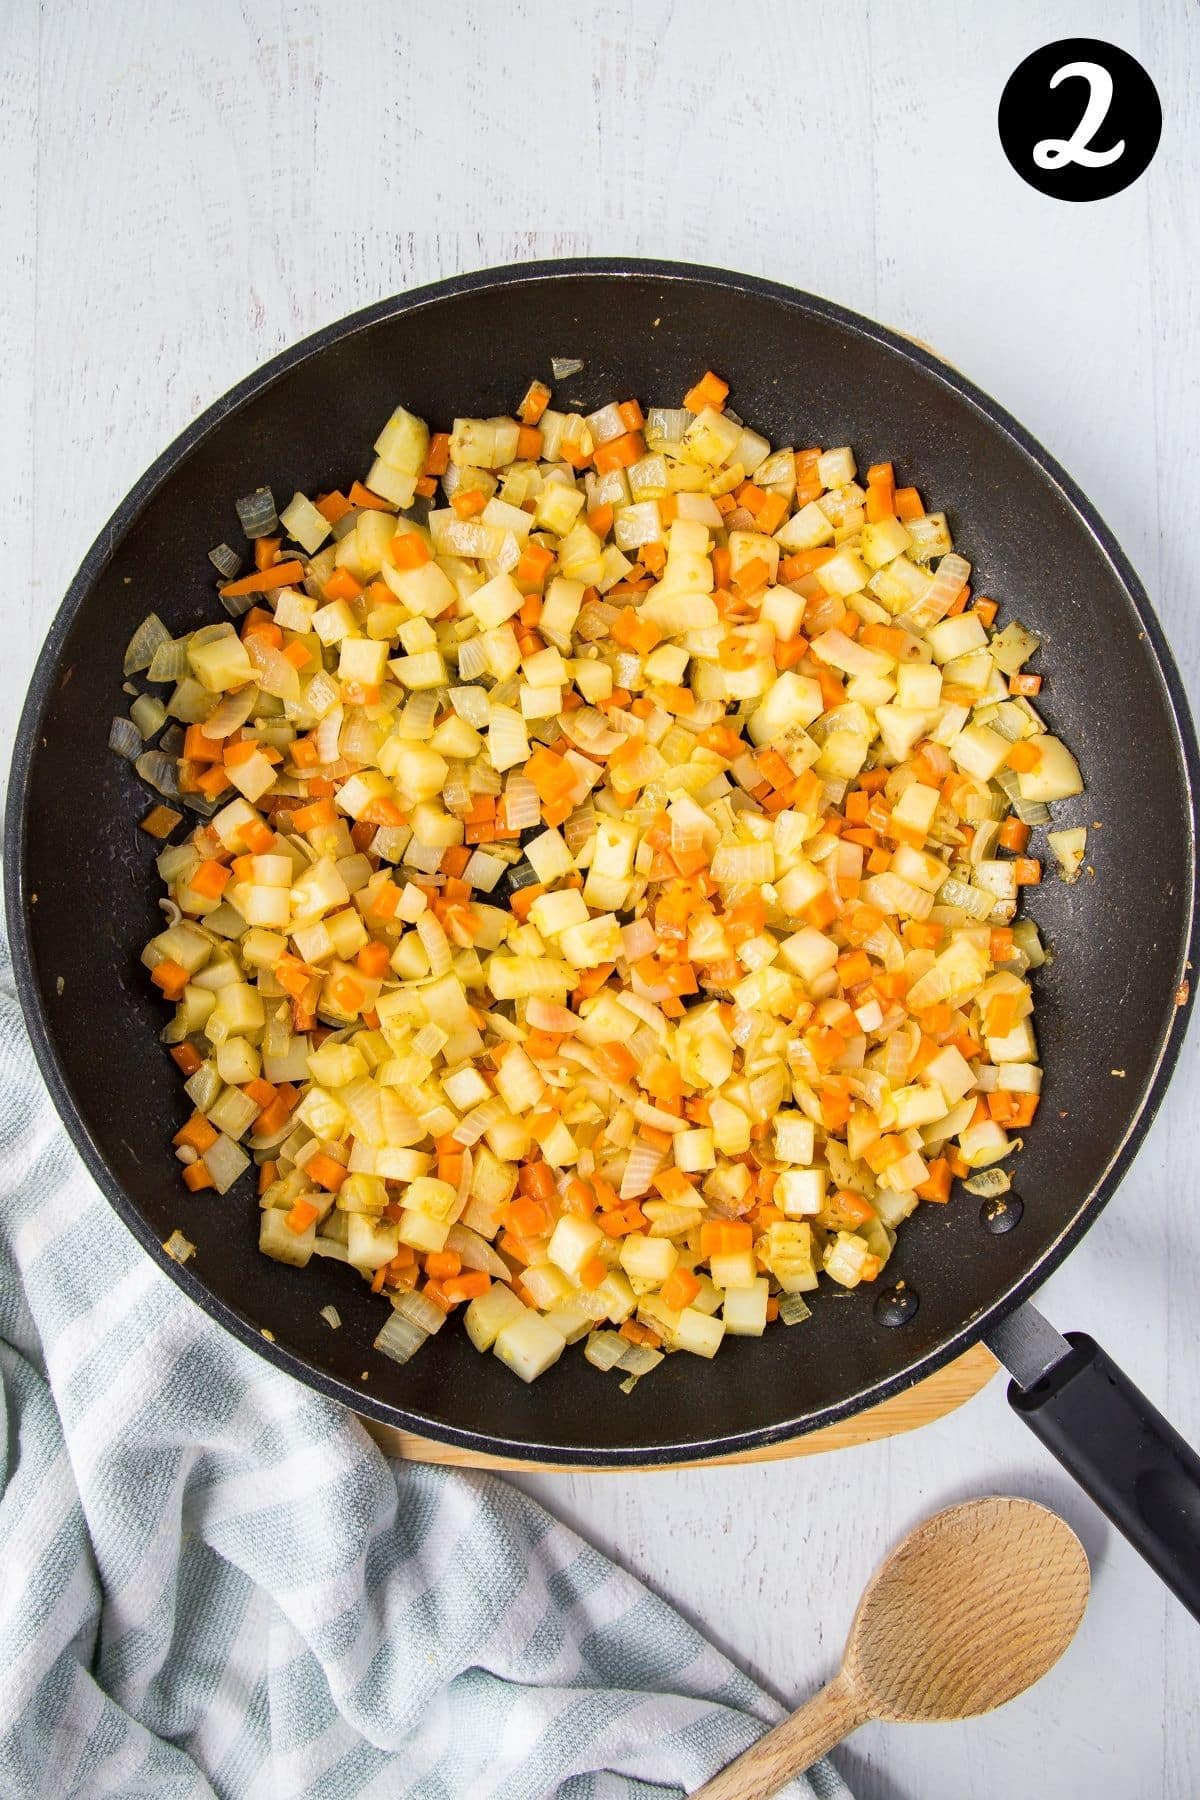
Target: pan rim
{"points": [[100, 553]]}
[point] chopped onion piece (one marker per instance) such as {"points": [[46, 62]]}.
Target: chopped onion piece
{"points": [[169, 662], [400, 1339], [332, 1317], [987, 1184], [125, 738], [418, 1311], [563, 366], [257, 513], [160, 772], [180, 1249], [139, 653], [225, 561]]}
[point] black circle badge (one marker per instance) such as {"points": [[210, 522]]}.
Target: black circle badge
{"points": [[1079, 119]]}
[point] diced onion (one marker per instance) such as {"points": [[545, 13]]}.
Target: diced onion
{"points": [[139, 653], [125, 738], [225, 561], [400, 1339], [160, 772], [257, 513], [596, 854], [169, 662]]}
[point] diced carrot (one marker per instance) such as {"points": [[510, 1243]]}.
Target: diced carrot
{"points": [[196, 1176], [529, 443], [723, 1237], [614, 1061], [1014, 835], [408, 550], [833, 693], [468, 503], [264, 581], [923, 934], [467, 1286], [442, 1263], [196, 1135], [312, 817], [1025, 684], [579, 1199], [854, 967], [437, 457], [619, 453], [527, 1217], [881, 492], [342, 585], [1027, 871], [600, 520], [771, 514], [1001, 943], [622, 1220], [302, 1214], [679, 1289], [362, 496], [327, 1173], [936, 1187], [171, 977], [373, 960], [533, 566], [987, 610], [186, 1058], [908, 504], [198, 748], [333, 507], [537, 399], [1024, 755], [821, 911], [751, 578], [710, 390], [593, 1272]]}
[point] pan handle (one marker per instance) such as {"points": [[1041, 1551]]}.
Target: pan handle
{"points": [[1119, 1448]]}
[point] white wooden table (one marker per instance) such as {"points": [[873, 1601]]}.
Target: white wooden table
{"points": [[187, 189]]}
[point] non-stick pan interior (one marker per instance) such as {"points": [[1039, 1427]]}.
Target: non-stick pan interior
{"points": [[804, 373]]}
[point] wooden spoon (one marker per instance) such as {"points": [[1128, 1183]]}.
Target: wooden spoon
{"points": [[968, 1611]]}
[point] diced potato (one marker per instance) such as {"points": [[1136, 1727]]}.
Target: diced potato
{"points": [[528, 1345], [698, 1332], [744, 1310], [488, 1314]]}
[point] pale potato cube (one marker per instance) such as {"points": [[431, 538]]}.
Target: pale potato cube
{"points": [[488, 1314], [699, 1333], [744, 1310], [528, 1345]]}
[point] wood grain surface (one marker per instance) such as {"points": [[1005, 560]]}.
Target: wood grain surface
{"points": [[919, 1405], [186, 189]]}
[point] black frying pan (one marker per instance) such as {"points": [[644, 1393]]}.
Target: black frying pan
{"points": [[81, 898]]}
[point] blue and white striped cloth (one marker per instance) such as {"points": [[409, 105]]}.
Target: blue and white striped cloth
{"points": [[212, 1582]]}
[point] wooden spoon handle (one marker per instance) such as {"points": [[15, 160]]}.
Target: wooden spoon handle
{"points": [[792, 1746]]}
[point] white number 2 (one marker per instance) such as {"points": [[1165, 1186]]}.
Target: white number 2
{"points": [[1055, 153]]}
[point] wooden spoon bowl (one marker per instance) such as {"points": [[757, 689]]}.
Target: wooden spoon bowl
{"points": [[969, 1610]]}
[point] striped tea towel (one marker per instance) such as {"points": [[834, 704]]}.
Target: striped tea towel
{"points": [[212, 1582]]}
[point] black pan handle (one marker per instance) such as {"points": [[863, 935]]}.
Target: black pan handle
{"points": [[1121, 1450]]}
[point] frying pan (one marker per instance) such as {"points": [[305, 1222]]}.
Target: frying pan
{"points": [[1111, 1006]]}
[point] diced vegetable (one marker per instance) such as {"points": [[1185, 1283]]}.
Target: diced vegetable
{"points": [[602, 914]]}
